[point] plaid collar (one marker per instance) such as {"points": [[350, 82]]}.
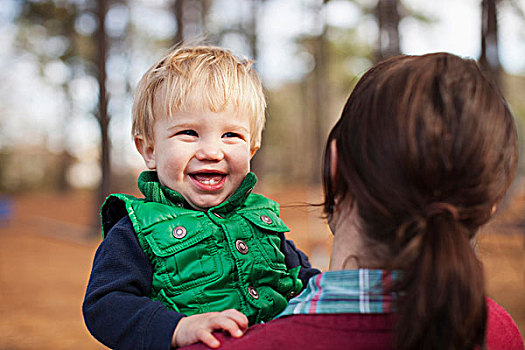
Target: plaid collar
{"points": [[345, 291]]}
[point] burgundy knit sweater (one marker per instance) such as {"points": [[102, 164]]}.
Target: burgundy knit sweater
{"points": [[351, 331]]}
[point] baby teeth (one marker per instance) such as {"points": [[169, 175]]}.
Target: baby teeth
{"points": [[210, 182]]}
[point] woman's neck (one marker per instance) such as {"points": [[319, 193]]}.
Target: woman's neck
{"points": [[349, 250], [347, 246]]}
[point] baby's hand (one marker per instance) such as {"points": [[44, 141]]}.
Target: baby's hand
{"points": [[193, 329]]}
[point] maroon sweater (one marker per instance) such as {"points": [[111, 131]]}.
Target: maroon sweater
{"points": [[351, 331]]}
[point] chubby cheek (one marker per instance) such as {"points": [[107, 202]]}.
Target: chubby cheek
{"points": [[240, 161], [170, 170]]}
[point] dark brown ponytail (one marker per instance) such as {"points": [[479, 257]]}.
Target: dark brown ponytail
{"points": [[442, 303], [425, 147]]}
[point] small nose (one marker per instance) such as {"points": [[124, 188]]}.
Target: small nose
{"points": [[210, 150]]}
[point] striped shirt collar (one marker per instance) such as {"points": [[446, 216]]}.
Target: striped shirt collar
{"points": [[345, 291]]}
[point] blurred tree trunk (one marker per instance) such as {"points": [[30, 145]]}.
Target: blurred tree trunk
{"points": [[102, 115], [191, 17], [178, 10], [252, 29], [320, 105], [257, 163], [319, 102], [66, 160], [489, 57], [205, 10], [387, 15]]}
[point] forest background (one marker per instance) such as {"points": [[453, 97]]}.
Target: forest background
{"points": [[69, 68]]}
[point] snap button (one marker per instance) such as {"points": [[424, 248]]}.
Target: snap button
{"points": [[253, 292], [266, 219], [179, 232], [218, 215], [241, 246], [292, 294], [179, 205]]}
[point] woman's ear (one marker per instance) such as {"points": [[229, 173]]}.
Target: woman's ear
{"points": [[334, 173], [147, 151]]}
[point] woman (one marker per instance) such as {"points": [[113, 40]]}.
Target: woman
{"points": [[423, 152]]}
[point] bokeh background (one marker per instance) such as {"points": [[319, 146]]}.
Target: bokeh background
{"points": [[68, 69]]}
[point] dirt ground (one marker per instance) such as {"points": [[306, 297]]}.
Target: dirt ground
{"points": [[46, 252]]}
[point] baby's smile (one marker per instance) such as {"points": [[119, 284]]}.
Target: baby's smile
{"points": [[208, 181]]}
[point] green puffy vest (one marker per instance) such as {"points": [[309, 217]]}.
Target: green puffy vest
{"points": [[226, 257]]}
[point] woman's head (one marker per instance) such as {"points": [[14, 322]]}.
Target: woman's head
{"points": [[425, 148], [421, 130]]}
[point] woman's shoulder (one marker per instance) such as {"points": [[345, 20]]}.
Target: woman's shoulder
{"points": [[319, 331], [502, 331]]}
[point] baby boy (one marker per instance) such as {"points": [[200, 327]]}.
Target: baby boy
{"points": [[199, 252]]}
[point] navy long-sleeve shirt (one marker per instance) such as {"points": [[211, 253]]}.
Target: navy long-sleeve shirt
{"points": [[117, 309]]}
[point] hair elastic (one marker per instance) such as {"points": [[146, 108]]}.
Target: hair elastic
{"points": [[437, 208]]}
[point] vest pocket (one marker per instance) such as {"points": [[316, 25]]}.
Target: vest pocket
{"points": [[185, 256], [268, 225]]}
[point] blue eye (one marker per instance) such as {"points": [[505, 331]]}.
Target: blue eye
{"points": [[232, 134], [188, 133]]}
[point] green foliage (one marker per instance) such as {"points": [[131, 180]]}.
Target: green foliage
{"points": [[295, 135], [41, 22], [300, 113]]}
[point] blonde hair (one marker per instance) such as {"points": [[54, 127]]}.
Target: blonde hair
{"points": [[213, 77]]}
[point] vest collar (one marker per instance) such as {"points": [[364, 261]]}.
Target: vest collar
{"points": [[150, 186]]}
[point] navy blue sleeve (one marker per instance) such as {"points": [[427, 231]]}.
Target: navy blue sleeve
{"points": [[117, 310], [293, 257]]}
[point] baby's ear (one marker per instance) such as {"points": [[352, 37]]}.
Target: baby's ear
{"points": [[253, 151], [147, 151]]}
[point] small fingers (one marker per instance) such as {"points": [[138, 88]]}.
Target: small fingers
{"points": [[196, 328], [238, 317], [207, 338], [227, 324]]}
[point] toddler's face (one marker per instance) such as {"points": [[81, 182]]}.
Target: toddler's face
{"points": [[204, 156]]}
